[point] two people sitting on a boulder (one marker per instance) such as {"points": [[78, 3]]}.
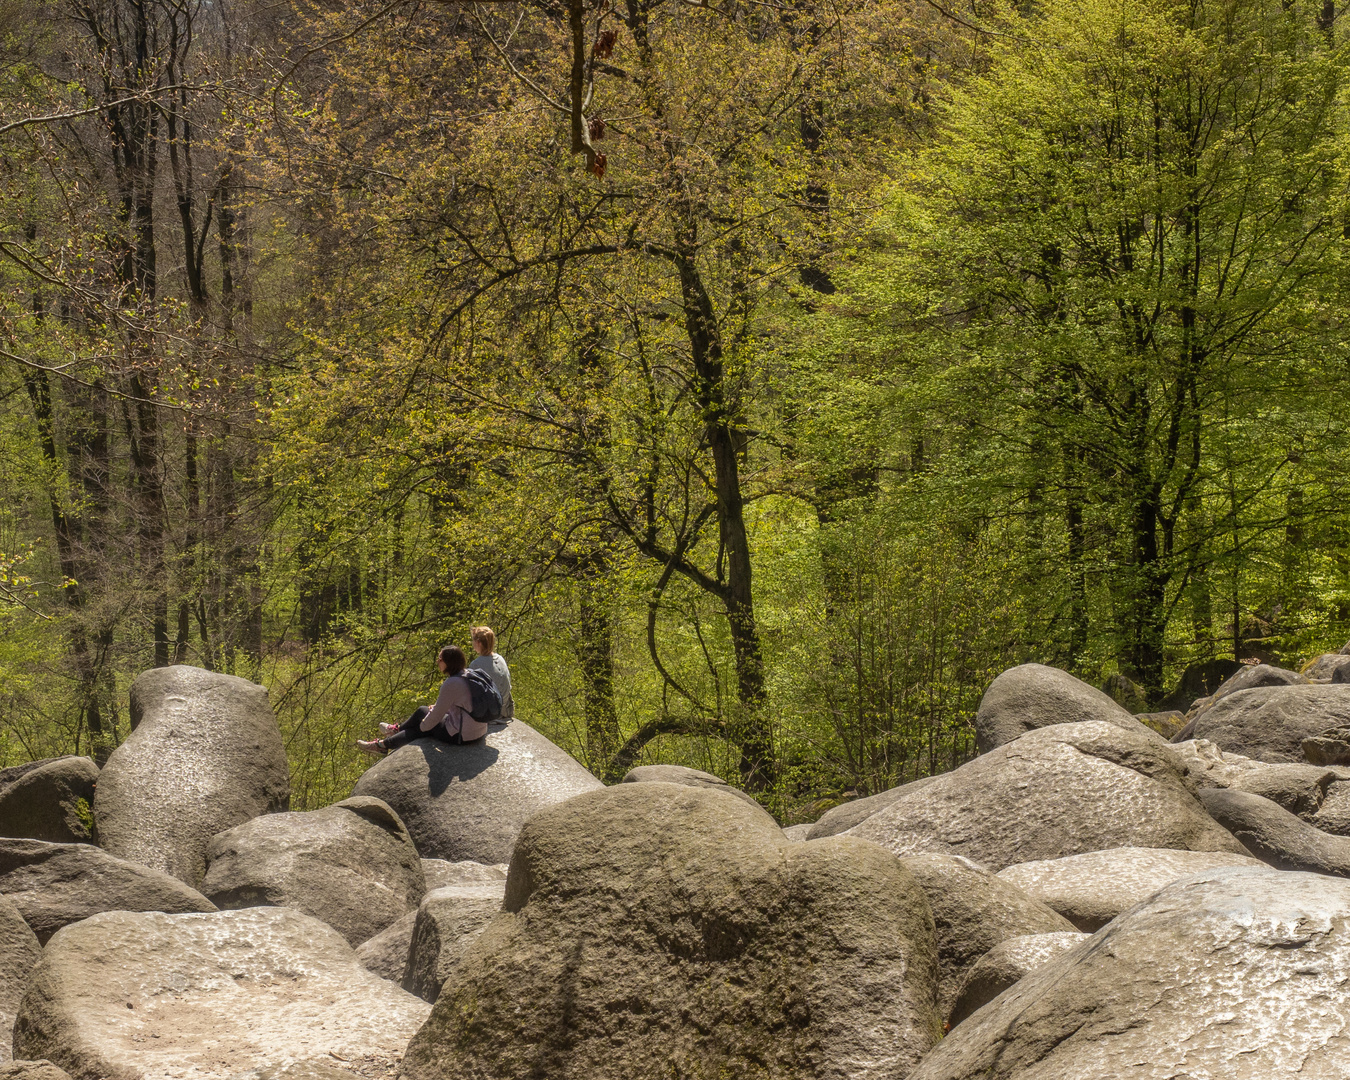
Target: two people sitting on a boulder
{"points": [[467, 703], [484, 644]]}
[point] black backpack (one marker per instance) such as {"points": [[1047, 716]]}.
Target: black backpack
{"points": [[487, 702]]}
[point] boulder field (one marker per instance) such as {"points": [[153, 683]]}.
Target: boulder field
{"points": [[1084, 900]]}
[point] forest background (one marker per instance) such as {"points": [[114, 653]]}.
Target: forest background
{"points": [[769, 373]]}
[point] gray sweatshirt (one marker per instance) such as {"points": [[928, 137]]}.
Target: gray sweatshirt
{"points": [[495, 666]]}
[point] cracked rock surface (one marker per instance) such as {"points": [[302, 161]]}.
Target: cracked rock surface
{"points": [[1059, 790], [1231, 974], [124, 995]]}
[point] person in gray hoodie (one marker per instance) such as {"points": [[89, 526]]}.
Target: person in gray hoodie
{"points": [[449, 720], [484, 642]]}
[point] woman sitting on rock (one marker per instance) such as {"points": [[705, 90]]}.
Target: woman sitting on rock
{"points": [[450, 720], [487, 660]]}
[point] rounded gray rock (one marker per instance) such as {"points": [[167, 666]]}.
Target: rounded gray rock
{"points": [[1275, 836], [1092, 889], [654, 930], [440, 873], [222, 994], [1270, 723], [54, 885], [386, 953], [204, 755], [352, 864], [32, 1070], [19, 951], [1006, 964], [1059, 790], [1236, 973], [1324, 668], [1033, 696], [469, 802], [854, 812], [973, 911], [448, 920], [49, 800], [682, 774]]}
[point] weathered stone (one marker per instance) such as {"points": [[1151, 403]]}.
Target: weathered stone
{"points": [[49, 800], [386, 953], [448, 921], [1034, 696], [1325, 668], [1092, 889], [1333, 816], [1246, 677], [352, 864], [440, 873], [53, 885], [469, 802], [1236, 973], [1331, 747], [844, 816], [1275, 836], [653, 930], [207, 996], [1300, 789], [1059, 790], [1166, 724], [1008, 963], [973, 910], [1270, 723], [204, 755], [32, 1070], [798, 832], [19, 951], [680, 774]]}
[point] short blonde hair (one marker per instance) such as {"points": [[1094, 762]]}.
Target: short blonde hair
{"points": [[486, 636]]}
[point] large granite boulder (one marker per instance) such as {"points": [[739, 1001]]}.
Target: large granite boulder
{"points": [[53, 885], [352, 864], [682, 774], [127, 994], [469, 802], [1059, 790], [1270, 723], [19, 951], [204, 755], [1007, 963], [1034, 696], [973, 910], [32, 1070], [844, 816], [448, 921], [1235, 973], [1274, 835], [656, 930], [386, 953], [440, 873], [1305, 790], [49, 800], [1329, 667], [1092, 889]]}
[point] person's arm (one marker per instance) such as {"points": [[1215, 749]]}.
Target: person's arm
{"points": [[441, 709]]}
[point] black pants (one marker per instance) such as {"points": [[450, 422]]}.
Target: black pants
{"points": [[409, 730]]}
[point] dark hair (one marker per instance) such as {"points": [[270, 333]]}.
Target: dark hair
{"points": [[453, 656]]}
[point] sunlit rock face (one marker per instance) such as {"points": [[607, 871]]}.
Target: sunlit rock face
{"points": [[1092, 889], [1231, 974], [1058, 790], [206, 755], [659, 930], [1269, 723], [1033, 696], [469, 802], [1005, 965], [222, 994]]}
